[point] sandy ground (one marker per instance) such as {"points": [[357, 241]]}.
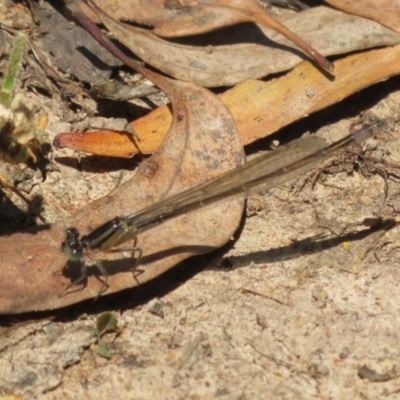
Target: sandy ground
{"points": [[301, 304]]}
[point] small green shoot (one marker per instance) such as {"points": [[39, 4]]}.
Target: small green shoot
{"points": [[11, 75], [106, 322]]}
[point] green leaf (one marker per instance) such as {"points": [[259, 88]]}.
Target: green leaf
{"points": [[14, 66], [105, 322]]}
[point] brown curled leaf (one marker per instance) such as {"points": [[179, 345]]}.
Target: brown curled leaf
{"points": [[32, 277], [202, 143], [259, 108]]}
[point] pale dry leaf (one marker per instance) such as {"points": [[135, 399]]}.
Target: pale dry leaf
{"points": [[186, 19], [252, 51], [169, 18], [386, 12]]}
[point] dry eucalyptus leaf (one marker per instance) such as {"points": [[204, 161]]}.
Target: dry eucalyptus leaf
{"points": [[259, 108], [31, 275], [386, 12], [260, 51], [185, 19], [209, 15], [290, 4], [175, 18]]}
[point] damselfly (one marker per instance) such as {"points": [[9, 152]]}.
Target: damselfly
{"points": [[257, 175]]}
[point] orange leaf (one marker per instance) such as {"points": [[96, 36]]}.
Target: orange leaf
{"points": [[261, 108]]}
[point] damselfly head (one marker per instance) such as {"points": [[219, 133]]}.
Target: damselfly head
{"points": [[72, 246]]}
